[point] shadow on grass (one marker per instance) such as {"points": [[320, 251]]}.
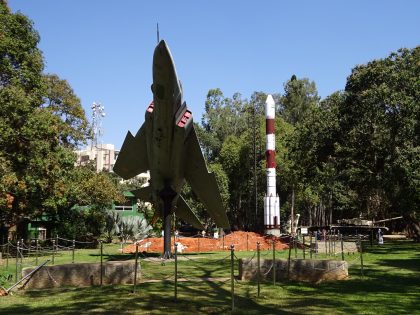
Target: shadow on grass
{"points": [[114, 257], [412, 264], [203, 298], [390, 284]]}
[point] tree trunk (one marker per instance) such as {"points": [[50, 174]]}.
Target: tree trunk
{"points": [[413, 226], [292, 212], [330, 209], [310, 215]]}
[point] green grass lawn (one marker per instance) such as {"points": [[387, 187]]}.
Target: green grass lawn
{"points": [[391, 285]]}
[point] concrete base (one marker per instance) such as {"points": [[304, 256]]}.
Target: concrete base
{"points": [[274, 232]]}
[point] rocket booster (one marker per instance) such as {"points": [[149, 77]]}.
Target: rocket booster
{"points": [[271, 200]]}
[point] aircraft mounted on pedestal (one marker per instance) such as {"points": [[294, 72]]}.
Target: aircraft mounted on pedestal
{"points": [[167, 146]]}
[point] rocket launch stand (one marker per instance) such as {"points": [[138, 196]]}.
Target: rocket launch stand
{"points": [[272, 215]]}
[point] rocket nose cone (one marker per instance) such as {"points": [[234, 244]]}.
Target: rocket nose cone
{"points": [[270, 107], [269, 100]]}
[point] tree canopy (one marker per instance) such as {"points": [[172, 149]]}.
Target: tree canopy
{"points": [[41, 123], [356, 152]]}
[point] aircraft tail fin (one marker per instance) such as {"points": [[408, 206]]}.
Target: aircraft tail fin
{"points": [[144, 193], [184, 211], [203, 183], [132, 159]]}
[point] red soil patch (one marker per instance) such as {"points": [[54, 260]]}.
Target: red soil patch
{"points": [[241, 240]]}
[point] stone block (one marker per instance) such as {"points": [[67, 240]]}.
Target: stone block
{"points": [[300, 269], [84, 274]]}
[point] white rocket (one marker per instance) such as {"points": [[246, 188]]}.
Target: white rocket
{"points": [[271, 199]]}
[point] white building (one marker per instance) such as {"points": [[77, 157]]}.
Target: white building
{"points": [[105, 156]]}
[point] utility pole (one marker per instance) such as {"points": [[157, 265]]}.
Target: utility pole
{"points": [[98, 113], [255, 165]]}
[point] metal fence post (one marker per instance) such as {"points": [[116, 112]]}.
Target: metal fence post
{"points": [[72, 251], [135, 268], [102, 271], [316, 245], [17, 260], [7, 254], [288, 260], [295, 245], [37, 251], [53, 252], [304, 249], [329, 243], [232, 279], [361, 256], [22, 252], [335, 242], [310, 245], [176, 271], [342, 247], [29, 248], [326, 244], [258, 269], [274, 262]]}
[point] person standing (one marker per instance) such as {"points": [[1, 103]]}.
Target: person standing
{"points": [[380, 237]]}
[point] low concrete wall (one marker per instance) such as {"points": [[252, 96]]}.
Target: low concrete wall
{"points": [[300, 269], [115, 272]]}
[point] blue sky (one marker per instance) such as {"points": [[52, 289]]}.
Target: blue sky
{"points": [[105, 48]]}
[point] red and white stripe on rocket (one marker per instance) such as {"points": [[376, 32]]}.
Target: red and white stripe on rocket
{"points": [[271, 200]]}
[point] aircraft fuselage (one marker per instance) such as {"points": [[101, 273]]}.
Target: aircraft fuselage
{"points": [[167, 145], [168, 124]]}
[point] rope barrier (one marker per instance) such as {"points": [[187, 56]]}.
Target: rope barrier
{"points": [[78, 242], [271, 267], [211, 262], [250, 259], [145, 258], [266, 252], [26, 252]]}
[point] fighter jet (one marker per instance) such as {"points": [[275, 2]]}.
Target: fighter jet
{"points": [[167, 146]]}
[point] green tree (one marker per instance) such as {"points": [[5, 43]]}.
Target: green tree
{"points": [[20, 92], [61, 100], [41, 122], [380, 118], [223, 117], [300, 97], [297, 105], [321, 195]]}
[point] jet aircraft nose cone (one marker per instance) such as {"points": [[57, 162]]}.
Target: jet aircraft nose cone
{"points": [[162, 46], [162, 43]]}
